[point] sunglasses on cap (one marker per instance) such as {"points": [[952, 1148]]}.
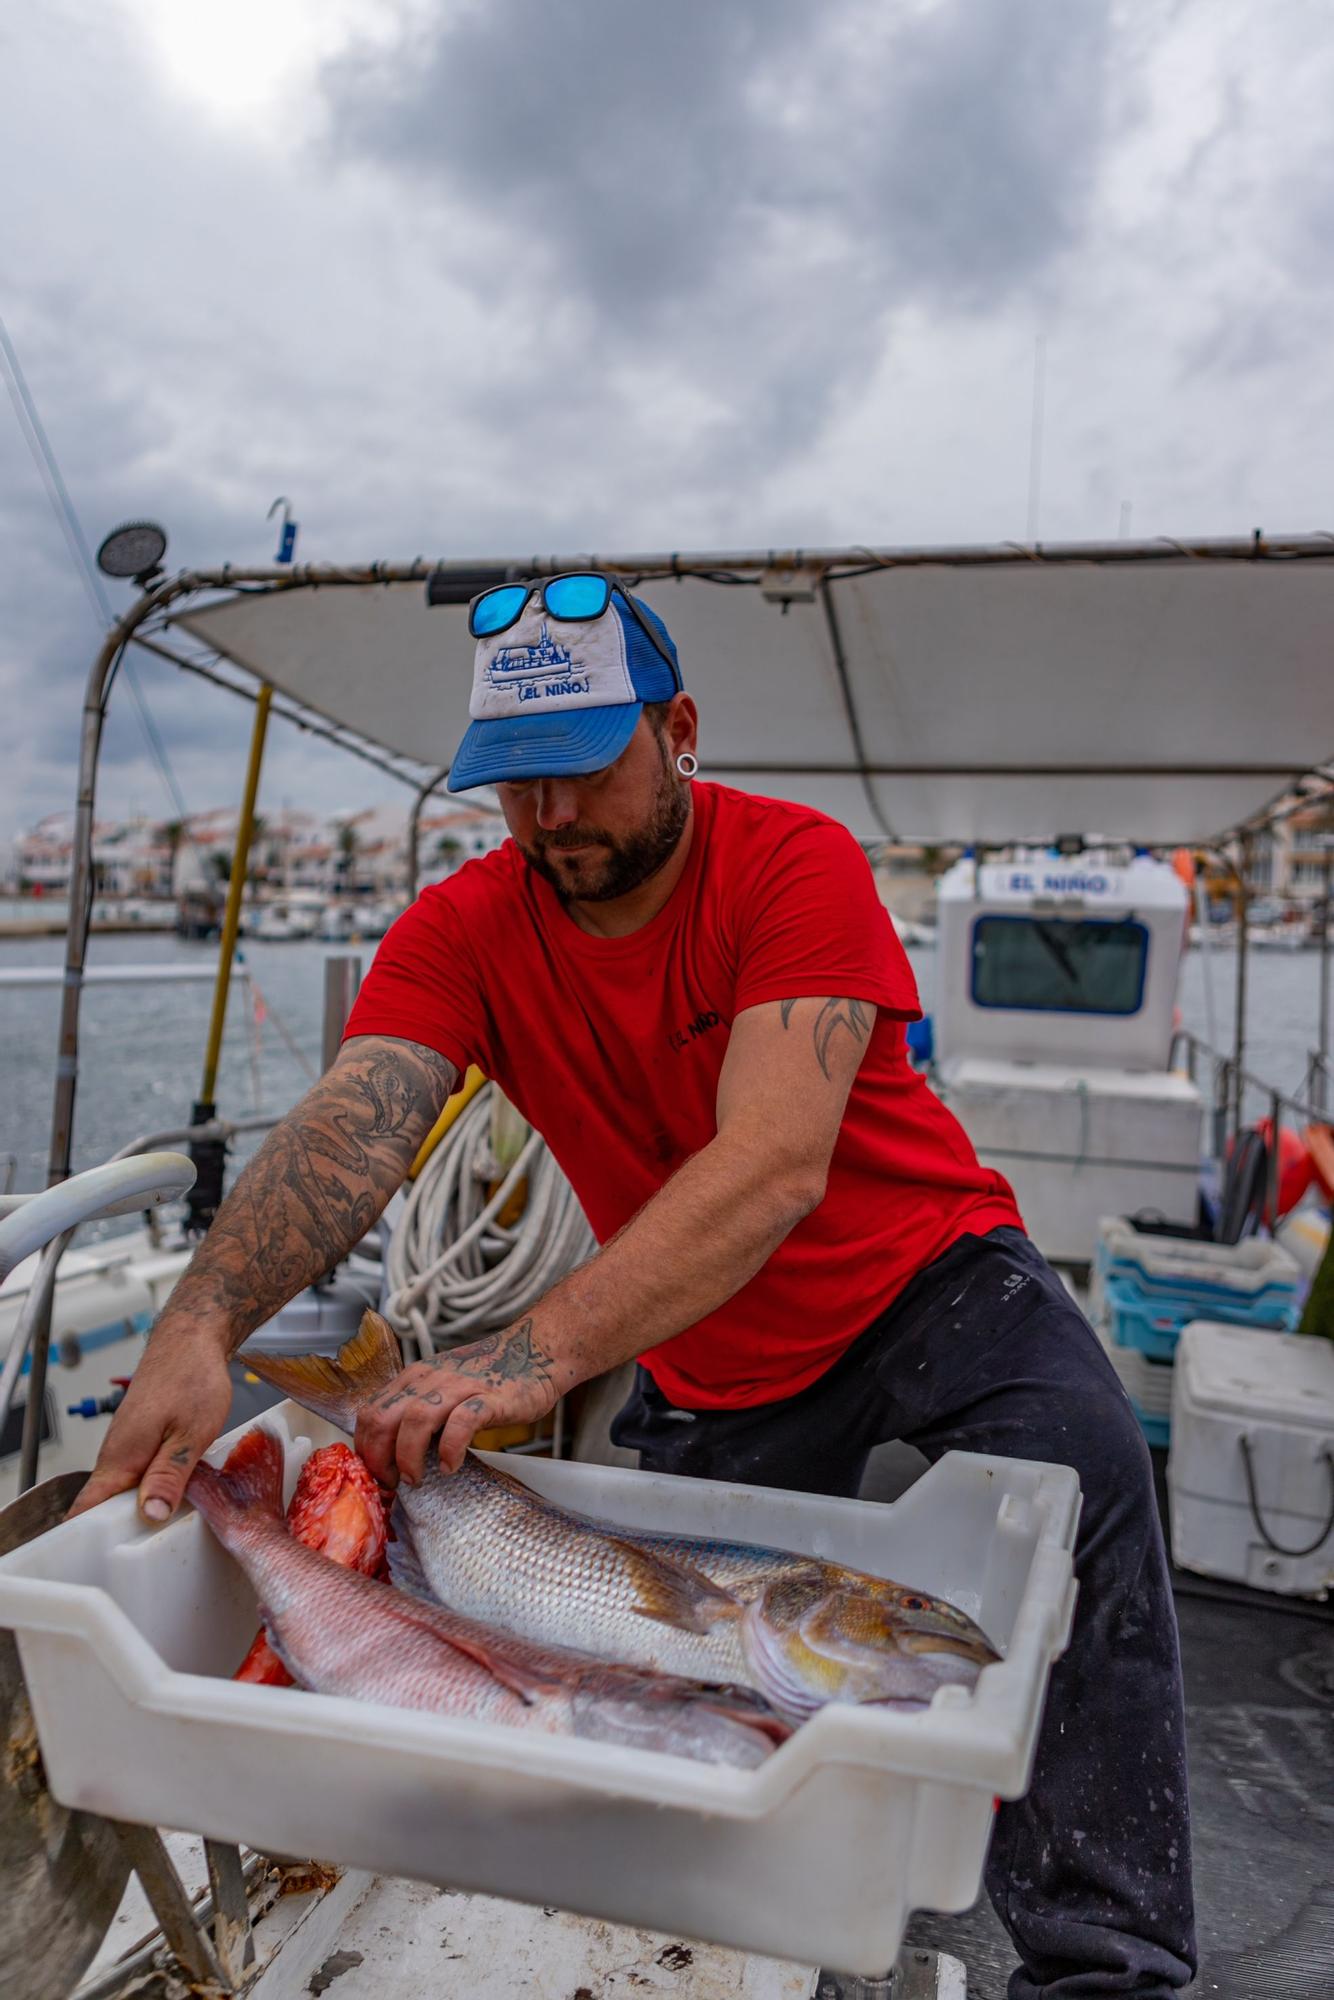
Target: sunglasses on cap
{"points": [[576, 598]]}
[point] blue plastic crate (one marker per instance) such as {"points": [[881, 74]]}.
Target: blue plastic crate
{"points": [[1157, 1430], [1254, 1276], [1207, 1294], [1153, 1323]]}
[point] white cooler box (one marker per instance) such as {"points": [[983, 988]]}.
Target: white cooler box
{"points": [[1077, 1144], [1275, 1391], [819, 1855]]}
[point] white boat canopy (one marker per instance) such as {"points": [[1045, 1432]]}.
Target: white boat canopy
{"points": [[1153, 692]]}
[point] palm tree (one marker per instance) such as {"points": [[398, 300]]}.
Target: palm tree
{"points": [[255, 870], [173, 833], [348, 843]]}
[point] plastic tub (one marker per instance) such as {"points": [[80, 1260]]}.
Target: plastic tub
{"points": [[1188, 1268], [1277, 1395], [1149, 1387], [1153, 1324], [819, 1855]]}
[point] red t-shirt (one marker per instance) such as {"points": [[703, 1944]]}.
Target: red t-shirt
{"points": [[612, 1048]]}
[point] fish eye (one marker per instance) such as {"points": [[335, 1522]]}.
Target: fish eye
{"points": [[914, 1604]]}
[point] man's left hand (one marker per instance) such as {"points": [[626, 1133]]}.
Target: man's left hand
{"points": [[504, 1378]]}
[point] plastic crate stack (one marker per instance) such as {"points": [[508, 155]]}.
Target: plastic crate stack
{"points": [[1146, 1287]]}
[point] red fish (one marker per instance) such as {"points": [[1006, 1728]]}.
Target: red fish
{"points": [[338, 1510]]}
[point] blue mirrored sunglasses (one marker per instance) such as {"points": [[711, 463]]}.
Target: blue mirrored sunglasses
{"points": [[576, 597]]}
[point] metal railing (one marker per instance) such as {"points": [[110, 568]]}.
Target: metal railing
{"points": [[1225, 1087], [33, 1330]]}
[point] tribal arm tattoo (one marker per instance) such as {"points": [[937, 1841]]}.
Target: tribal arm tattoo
{"points": [[854, 1015], [315, 1187]]}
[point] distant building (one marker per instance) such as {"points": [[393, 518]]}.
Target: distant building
{"points": [[1311, 852], [1287, 858], [906, 877], [450, 835], [42, 855]]}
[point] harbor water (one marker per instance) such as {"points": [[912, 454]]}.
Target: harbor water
{"points": [[142, 1045]]}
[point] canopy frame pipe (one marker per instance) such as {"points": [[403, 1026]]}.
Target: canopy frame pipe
{"points": [[414, 827]]}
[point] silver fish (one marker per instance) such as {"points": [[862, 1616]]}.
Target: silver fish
{"points": [[338, 1632], [801, 1631]]}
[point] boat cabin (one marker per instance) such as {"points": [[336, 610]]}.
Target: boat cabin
{"points": [[1057, 981]]}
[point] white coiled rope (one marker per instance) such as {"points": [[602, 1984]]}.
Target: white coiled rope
{"points": [[453, 1271]]}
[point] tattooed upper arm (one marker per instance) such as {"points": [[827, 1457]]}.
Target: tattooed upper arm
{"points": [[853, 1017], [785, 1080]]}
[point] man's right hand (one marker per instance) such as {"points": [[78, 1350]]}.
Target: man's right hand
{"points": [[175, 1406]]}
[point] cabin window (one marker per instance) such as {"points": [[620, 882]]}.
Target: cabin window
{"points": [[1060, 965]]}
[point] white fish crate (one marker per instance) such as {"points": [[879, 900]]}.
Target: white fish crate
{"points": [[127, 1635]]}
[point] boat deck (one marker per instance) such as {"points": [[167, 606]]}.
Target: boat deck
{"points": [[1259, 1674]]}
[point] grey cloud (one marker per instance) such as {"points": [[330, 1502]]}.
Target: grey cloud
{"points": [[744, 192], [993, 131], [646, 163]]}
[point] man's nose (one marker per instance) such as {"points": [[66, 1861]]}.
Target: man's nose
{"points": [[557, 803]]}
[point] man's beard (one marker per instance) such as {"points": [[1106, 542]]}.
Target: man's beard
{"points": [[623, 864]]}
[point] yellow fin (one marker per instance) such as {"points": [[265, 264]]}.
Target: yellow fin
{"points": [[673, 1592], [335, 1388]]}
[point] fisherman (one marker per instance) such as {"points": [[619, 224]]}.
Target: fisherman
{"points": [[699, 1000]]}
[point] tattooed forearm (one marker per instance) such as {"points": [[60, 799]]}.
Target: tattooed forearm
{"points": [[316, 1185], [854, 1015]]}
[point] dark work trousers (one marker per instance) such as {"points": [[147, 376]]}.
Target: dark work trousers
{"points": [[985, 1351]]}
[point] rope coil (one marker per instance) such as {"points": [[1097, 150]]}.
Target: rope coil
{"points": [[457, 1266]]}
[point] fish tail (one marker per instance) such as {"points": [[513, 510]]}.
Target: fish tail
{"points": [[249, 1485], [336, 1388]]}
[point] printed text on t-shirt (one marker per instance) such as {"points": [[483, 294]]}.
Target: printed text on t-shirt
{"points": [[681, 1038]]}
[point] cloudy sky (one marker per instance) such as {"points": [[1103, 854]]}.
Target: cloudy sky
{"points": [[468, 277]]}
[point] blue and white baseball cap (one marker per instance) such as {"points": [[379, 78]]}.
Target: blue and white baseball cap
{"points": [[556, 699]]}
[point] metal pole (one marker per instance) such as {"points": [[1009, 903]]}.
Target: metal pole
{"points": [[80, 906], [342, 977], [1243, 942], [231, 922], [414, 829], [1222, 1097], [1273, 1163], [1320, 1091], [41, 1299]]}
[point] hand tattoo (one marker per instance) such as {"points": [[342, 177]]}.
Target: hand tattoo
{"points": [[511, 1355], [409, 1395], [854, 1015]]}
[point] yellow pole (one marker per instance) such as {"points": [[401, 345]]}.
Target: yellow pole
{"points": [[459, 1102], [231, 921]]}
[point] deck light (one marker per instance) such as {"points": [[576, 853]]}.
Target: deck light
{"points": [[135, 549]]}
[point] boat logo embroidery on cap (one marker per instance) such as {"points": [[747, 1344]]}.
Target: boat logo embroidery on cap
{"points": [[546, 668]]}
